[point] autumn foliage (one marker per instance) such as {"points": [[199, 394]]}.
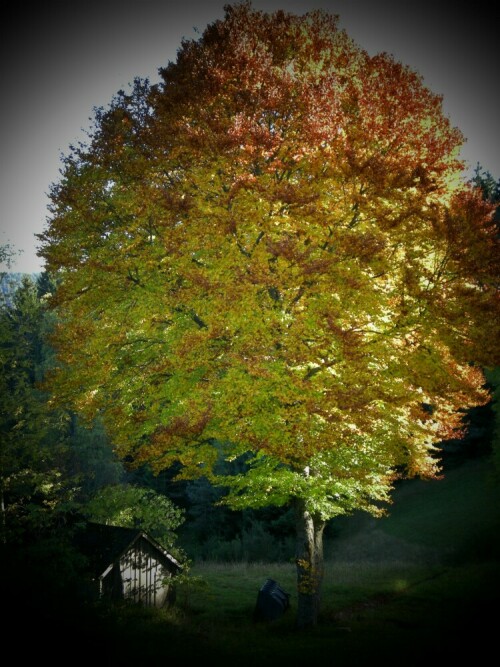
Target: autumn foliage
{"points": [[273, 253]]}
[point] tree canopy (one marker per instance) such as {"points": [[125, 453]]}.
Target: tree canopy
{"points": [[272, 254]]}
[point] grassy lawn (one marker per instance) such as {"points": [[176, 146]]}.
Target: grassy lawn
{"points": [[391, 615]]}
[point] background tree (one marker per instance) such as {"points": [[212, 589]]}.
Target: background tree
{"points": [[490, 191], [271, 258], [91, 459], [49, 463], [489, 187], [33, 451], [7, 254], [137, 507]]}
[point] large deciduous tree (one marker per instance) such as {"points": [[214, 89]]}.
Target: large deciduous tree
{"points": [[271, 257]]}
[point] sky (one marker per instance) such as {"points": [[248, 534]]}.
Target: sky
{"points": [[60, 61]]}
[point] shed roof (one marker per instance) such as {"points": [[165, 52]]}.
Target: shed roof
{"points": [[102, 545]]}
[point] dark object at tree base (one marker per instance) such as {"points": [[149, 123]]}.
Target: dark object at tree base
{"points": [[272, 602]]}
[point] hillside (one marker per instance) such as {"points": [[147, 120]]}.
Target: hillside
{"points": [[451, 520]]}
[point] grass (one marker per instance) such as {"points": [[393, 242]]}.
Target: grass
{"points": [[418, 585], [389, 614], [456, 517], [446, 513]]}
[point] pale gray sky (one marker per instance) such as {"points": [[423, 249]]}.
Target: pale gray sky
{"points": [[61, 60]]}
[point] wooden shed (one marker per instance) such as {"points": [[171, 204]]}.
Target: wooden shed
{"points": [[128, 564]]}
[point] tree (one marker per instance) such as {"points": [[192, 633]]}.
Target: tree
{"points": [[489, 188], [33, 442], [7, 254], [136, 507], [271, 257], [490, 191], [91, 459]]}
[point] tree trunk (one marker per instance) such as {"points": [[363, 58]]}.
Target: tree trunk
{"points": [[309, 561]]}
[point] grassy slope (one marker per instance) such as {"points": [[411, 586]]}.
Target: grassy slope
{"points": [[455, 518], [420, 582]]}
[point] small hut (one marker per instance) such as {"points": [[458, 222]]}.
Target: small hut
{"points": [[128, 564]]}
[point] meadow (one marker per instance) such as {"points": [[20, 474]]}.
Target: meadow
{"points": [[418, 585]]}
